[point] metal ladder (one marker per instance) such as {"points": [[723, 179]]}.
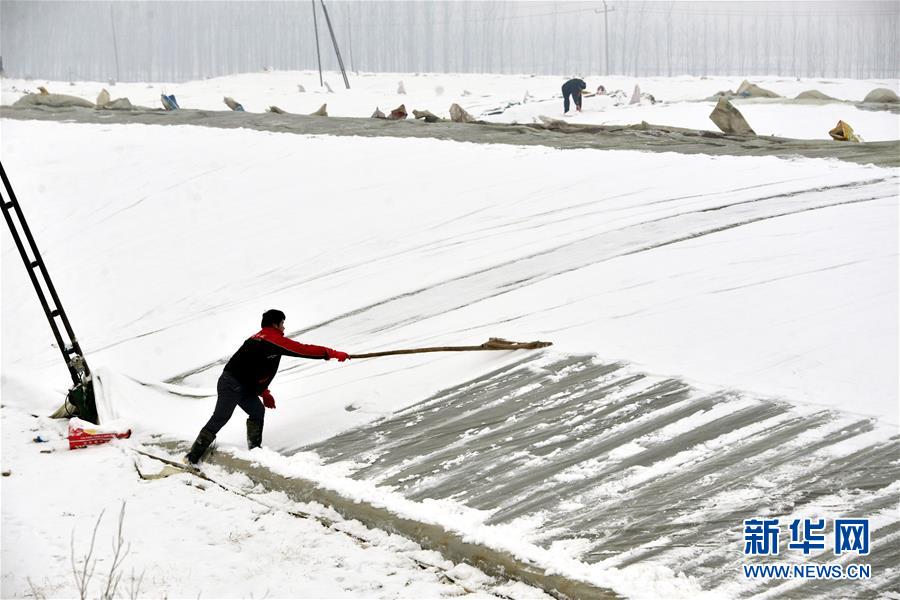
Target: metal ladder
{"points": [[81, 395]]}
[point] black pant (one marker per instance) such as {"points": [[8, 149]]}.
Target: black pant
{"points": [[576, 96], [232, 393]]}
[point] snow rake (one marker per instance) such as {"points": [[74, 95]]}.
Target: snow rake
{"points": [[491, 344]]}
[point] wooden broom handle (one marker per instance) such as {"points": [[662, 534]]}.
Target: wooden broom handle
{"points": [[491, 344]]}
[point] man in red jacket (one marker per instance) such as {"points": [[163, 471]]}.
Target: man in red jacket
{"points": [[246, 379]]}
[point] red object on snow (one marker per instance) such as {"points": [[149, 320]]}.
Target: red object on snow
{"points": [[83, 434]]}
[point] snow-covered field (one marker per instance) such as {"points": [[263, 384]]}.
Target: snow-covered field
{"points": [[523, 98], [770, 277]]}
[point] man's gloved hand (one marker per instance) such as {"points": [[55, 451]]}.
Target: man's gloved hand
{"points": [[268, 400], [340, 356]]}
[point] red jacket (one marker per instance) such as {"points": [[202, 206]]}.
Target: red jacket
{"points": [[256, 361]]}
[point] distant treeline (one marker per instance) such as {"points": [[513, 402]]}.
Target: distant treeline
{"points": [[183, 40]]}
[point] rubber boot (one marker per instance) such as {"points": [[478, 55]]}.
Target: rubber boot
{"points": [[201, 445], [254, 434]]}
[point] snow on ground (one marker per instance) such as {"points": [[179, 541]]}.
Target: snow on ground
{"points": [[189, 538], [776, 277], [482, 94], [770, 307], [801, 121]]}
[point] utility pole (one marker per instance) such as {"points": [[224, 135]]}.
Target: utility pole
{"points": [[350, 42], [337, 50], [605, 12], [112, 20], [318, 55]]}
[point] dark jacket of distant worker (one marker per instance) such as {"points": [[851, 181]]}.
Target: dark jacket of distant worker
{"points": [[573, 87], [247, 376]]}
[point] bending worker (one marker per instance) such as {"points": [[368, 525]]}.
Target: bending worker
{"points": [[573, 87]]}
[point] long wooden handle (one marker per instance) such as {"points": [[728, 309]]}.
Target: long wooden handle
{"points": [[491, 344]]}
